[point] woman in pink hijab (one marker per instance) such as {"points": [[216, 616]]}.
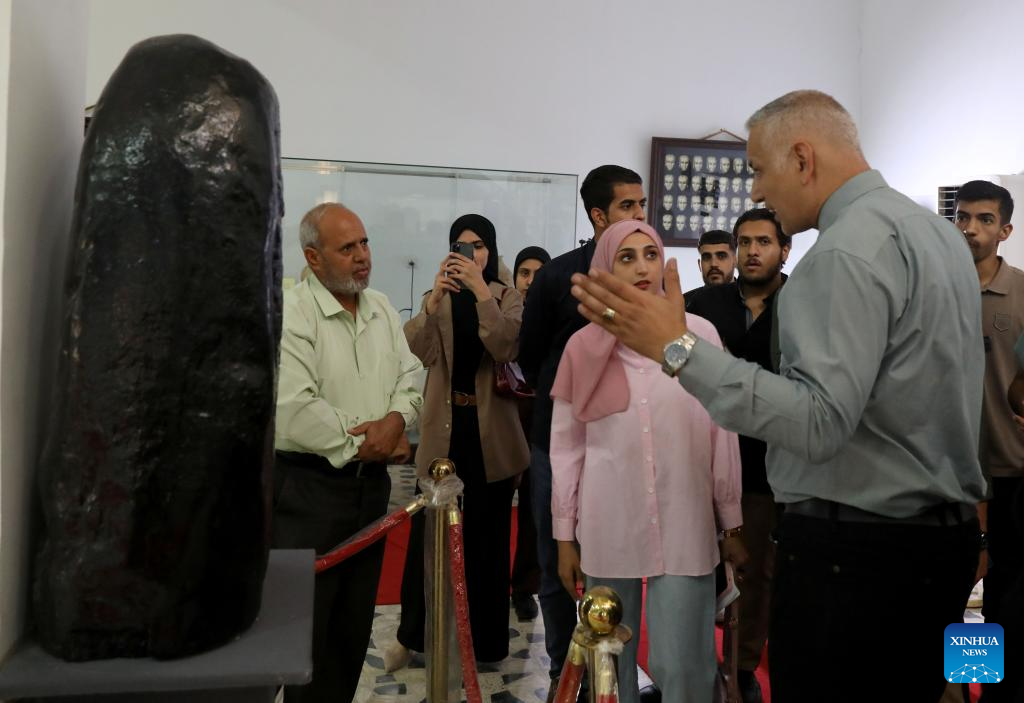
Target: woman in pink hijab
{"points": [[642, 481]]}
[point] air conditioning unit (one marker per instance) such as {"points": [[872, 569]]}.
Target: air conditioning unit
{"points": [[1012, 250]]}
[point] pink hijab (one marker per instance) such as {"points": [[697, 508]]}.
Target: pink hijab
{"points": [[591, 375]]}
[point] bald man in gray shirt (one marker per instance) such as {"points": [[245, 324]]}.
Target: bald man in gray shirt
{"points": [[872, 423]]}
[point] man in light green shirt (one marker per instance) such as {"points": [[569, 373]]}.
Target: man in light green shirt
{"points": [[346, 394], [343, 373]]}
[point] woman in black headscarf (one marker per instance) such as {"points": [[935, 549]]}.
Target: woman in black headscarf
{"points": [[469, 321]]}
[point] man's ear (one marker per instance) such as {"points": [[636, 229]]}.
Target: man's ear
{"points": [[1005, 231], [599, 217], [785, 252], [804, 154], [312, 255]]}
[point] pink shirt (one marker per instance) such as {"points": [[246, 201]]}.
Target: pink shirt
{"points": [[645, 491]]}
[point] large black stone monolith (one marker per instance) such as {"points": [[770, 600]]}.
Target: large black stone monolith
{"points": [[155, 472]]}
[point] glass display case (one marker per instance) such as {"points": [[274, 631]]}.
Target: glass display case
{"points": [[408, 210]]}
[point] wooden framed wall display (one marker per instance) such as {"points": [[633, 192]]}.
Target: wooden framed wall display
{"points": [[697, 185]]}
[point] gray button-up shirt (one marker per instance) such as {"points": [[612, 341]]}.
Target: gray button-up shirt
{"points": [[878, 401]]}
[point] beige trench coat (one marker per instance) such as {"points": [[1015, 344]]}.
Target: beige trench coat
{"points": [[505, 450]]}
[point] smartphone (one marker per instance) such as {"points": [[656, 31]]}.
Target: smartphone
{"points": [[466, 249]]}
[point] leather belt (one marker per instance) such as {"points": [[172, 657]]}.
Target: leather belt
{"points": [[319, 464], [463, 400], [940, 515], [363, 468]]}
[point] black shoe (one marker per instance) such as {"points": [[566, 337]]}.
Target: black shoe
{"points": [[525, 606], [750, 689], [650, 694]]}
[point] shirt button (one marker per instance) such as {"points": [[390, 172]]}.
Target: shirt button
{"points": [[446, 425], [654, 521], [650, 458], [643, 401], [643, 370], [448, 402], [647, 429], [651, 489]]}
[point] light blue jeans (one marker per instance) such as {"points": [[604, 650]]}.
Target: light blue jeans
{"points": [[680, 633]]}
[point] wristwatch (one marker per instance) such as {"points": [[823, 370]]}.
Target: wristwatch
{"points": [[677, 352]]}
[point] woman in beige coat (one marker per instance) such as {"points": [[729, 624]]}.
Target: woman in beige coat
{"points": [[469, 321]]}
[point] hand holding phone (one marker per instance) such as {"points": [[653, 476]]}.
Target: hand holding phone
{"points": [[466, 250]]}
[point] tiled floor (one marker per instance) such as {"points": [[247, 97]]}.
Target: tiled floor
{"points": [[521, 677]]}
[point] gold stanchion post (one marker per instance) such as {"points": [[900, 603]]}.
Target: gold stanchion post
{"points": [[439, 469], [600, 621]]}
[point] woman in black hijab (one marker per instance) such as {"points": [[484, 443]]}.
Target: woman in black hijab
{"points": [[469, 321]]}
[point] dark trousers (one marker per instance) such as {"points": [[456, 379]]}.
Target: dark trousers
{"points": [[486, 528], [759, 518], [525, 570], [556, 607], [1004, 583], [859, 609], [318, 507]]}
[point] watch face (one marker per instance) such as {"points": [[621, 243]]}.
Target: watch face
{"points": [[675, 355]]}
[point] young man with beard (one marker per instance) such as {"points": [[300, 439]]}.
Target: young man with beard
{"points": [[610, 194], [742, 312], [717, 249], [983, 212], [347, 391]]}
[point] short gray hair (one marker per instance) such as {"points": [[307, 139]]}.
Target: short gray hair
{"points": [[309, 227], [806, 109]]}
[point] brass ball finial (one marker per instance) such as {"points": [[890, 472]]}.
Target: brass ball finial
{"points": [[439, 468], [601, 609]]}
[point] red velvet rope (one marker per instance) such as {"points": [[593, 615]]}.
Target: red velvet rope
{"points": [[363, 539], [570, 681], [457, 561]]}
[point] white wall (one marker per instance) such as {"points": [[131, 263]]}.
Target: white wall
{"points": [[44, 89], [941, 99], [532, 85]]}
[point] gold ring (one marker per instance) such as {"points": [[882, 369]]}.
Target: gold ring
{"points": [[608, 314]]}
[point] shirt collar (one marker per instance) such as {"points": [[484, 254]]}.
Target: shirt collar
{"points": [[1000, 283], [854, 188], [329, 305]]}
